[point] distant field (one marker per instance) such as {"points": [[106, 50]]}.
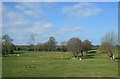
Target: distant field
{"points": [[50, 64]]}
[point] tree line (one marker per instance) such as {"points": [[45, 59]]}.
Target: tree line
{"points": [[50, 45], [74, 45]]}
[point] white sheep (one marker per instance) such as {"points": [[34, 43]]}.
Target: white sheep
{"points": [[65, 57], [18, 55], [80, 59], [113, 57]]}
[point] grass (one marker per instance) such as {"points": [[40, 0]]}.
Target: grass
{"points": [[50, 64]]}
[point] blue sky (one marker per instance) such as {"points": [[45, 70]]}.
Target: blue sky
{"points": [[62, 20]]}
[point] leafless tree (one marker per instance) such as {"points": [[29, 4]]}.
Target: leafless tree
{"points": [[38, 47], [108, 44], [32, 41]]}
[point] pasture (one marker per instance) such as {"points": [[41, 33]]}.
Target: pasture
{"points": [[50, 64]]}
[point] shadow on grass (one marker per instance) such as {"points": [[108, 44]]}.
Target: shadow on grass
{"points": [[90, 55], [117, 58], [92, 52], [86, 57]]}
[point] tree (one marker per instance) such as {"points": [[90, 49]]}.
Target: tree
{"points": [[108, 44], [45, 46], [7, 45], [32, 42], [38, 47], [86, 45], [74, 45], [18, 48], [32, 39], [63, 46], [11, 47], [51, 44]]}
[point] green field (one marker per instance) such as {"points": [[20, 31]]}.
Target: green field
{"points": [[50, 64]]}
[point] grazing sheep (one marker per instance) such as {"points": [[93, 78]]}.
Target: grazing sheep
{"points": [[68, 57], [113, 57], [18, 55], [26, 67], [65, 57], [80, 59]]}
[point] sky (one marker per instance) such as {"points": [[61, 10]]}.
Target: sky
{"points": [[61, 20]]}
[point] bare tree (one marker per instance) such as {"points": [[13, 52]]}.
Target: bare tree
{"points": [[32, 41], [38, 47], [108, 44], [74, 45]]}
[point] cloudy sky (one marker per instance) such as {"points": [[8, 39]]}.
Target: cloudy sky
{"points": [[60, 20]]}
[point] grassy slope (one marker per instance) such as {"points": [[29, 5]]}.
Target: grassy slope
{"points": [[49, 64]]}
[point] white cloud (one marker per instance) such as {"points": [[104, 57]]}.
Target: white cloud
{"points": [[31, 9], [19, 7], [82, 10], [16, 24], [20, 27], [44, 31], [72, 29], [40, 27], [12, 18], [36, 28]]}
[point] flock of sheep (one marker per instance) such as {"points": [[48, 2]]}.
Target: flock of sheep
{"points": [[14, 55], [63, 57], [67, 57]]}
